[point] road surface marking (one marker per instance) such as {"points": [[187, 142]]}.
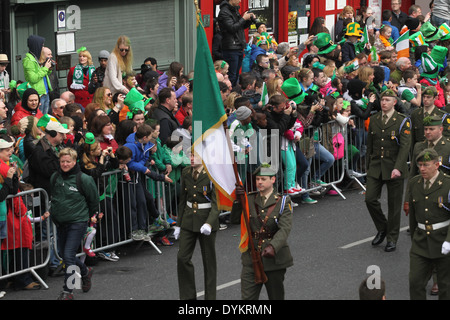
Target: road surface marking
{"points": [[222, 286], [353, 244]]}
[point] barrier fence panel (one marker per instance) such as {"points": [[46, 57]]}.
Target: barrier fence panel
{"points": [[25, 248]]}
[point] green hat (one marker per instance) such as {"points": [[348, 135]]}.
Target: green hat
{"points": [[430, 67], [353, 66], [417, 39], [12, 84], [430, 32], [432, 121], [318, 65], [50, 123], [388, 93], [133, 97], [324, 43], [430, 91], [427, 155], [345, 104], [89, 138], [438, 53], [265, 169], [21, 88], [293, 91], [445, 31]]}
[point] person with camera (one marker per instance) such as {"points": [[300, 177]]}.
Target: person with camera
{"points": [[99, 74], [232, 26], [36, 75]]}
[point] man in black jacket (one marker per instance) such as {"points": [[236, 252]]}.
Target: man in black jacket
{"points": [[232, 26], [164, 113]]}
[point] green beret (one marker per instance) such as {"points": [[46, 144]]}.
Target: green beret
{"points": [[388, 93], [427, 155], [430, 91], [432, 121], [265, 169]]}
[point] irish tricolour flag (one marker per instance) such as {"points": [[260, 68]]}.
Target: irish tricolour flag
{"points": [[402, 45], [209, 136]]}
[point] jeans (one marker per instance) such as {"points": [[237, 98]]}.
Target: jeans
{"points": [[325, 158], [45, 103], [437, 22], [70, 237], [234, 59]]}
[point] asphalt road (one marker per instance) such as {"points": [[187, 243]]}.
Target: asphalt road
{"points": [[330, 243]]}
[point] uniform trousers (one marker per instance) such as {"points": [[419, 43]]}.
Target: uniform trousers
{"points": [[391, 224], [420, 272], [185, 268], [274, 285]]}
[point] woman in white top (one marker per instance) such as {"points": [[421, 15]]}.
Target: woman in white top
{"points": [[120, 62]]}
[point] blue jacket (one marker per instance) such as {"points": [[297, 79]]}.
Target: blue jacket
{"points": [[141, 153], [254, 53], [395, 32]]}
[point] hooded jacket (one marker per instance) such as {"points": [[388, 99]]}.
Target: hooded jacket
{"points": [[33, 72], [232, 27]]}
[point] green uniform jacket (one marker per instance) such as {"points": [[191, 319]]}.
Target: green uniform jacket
{"points": [[278, 223], [387, 147], [193, 191], [424, 208], [68, 204], [417, 132], [34, 74], [443, 150]]}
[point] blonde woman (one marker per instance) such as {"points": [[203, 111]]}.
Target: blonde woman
{"points": [[347, 15], [120, 62], [366, 74], [274, 87], [79, 77], [103, 97]]}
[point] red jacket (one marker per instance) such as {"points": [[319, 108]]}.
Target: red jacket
{"points": [[20, 112], [20, 233]]}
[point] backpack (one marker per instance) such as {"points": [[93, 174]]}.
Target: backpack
{"points": [[338, 146]]}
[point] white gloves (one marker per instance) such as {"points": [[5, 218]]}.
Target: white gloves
{"points": [[445, 247], [205, 229], [176, 232]]}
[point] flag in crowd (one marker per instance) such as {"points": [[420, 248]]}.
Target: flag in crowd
{"points": [[209, 135], [402, 45]]}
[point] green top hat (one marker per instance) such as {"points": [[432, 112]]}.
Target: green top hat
{"points": [[445, 31], [432, 121], [430, 67], [133, 97], [438, 53], [293, 91], [324, 43], [427, 155], [265, 169], [430, 32], [21, 88], [89, 138]]}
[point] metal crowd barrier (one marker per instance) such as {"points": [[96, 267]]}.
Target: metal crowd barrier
{"points": [[25, 248], [115, 191]]}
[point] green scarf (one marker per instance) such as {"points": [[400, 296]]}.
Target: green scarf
{"points": [[78, 75]]}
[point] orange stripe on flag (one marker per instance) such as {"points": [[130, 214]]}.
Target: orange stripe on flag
{"points": [[243, 245]]}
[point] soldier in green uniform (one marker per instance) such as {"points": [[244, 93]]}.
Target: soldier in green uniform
{"points": [[270, 219], [434, 139], [198, 219], [388, 146], [429, 221], [429, 96]]}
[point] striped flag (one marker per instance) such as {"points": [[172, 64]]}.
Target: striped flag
{"points": [[402, 45], [363, 41], [264, 95], [445, 29]]}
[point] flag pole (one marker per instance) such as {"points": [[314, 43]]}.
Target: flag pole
{"points": [[258, 267]]}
